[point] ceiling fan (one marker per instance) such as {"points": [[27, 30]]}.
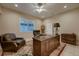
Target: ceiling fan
{"points": [[39, 7]]}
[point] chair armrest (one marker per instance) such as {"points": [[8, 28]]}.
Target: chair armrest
{"points": [[19, 38], [8, 41]]}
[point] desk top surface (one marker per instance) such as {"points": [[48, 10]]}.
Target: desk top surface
{"points": [[41, 38]]}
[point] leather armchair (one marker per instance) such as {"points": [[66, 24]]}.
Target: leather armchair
{"points": [[10, 43], [68, 38]]}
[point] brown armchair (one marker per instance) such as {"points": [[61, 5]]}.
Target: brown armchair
{"points": [[68, 38], [10, 43]]}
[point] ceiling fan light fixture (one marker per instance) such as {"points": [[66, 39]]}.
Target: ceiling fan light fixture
{"points": [[40, 10], [39, 7]]}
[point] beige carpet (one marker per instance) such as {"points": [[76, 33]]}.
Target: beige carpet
{"points": [[70, 50], [58, 51]]}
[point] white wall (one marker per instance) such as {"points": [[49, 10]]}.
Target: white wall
{"points": [[49, 29], [69, 22], [9, 23]]}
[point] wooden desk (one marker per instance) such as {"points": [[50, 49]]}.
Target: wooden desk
{"points": [[44, 45]]}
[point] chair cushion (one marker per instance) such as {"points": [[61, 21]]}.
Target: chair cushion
{"points": [[19, 41], [12, 36], [9, 37], [6, 38]]}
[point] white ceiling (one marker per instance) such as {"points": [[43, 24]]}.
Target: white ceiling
{"points": [[52, 8]]}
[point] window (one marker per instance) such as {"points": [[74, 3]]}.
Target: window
{"points": [[26, 25]]}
